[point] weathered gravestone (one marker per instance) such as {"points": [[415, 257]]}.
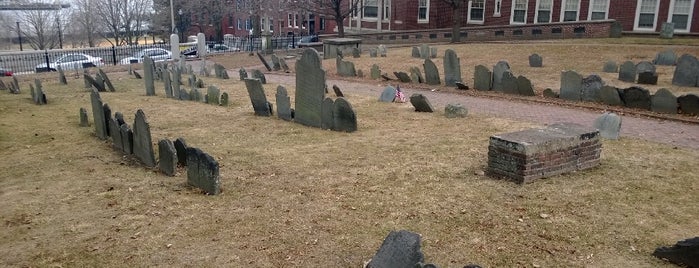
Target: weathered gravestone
{"points": [[326, 114], [167, 83], [212, 95], [416, 75], [610, 95], [83, 117], [609, 125], [373, 53], [220, 71], [431, 73], [107, 115], [667, 29], [549, 93], [93, 83], [452, 68], [283, 104], [243, 74], [382, 50], [39, 96], [689, 104], [148, 75], [648, 78], [175, 80], [388, 94], [61, 75], [137, 75], [403, 77], [257, 74], [425, 51], [344, 117], [663, 101], [421, 103], [282, 63], [375, 71], [535, 60], [345, 68], [15, 86], [338, 92], [356, 52], [2, 85], [571, 86], [509, 83], [455, 110], [627, 72], [524, 86], [204, 70], [142, 142], [264, 61], [196, 95], [257, 97], [98, 115], [201, 45], [224, 99], [175, 46], [666, 57], [275, 63], [360, 73], [610, 67], [203, 171], [683, 253], [498, 70], [645, 66], [115, 133], [636, 97], [168, 157], [126, 138], [107, 82], [686, 72], [416, 52], [181, 151], [591, 85], [433, 52], [310, 88], [482, 78], [399, 250]]}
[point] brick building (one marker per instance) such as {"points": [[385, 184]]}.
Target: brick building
{"points": [[634, 15]]}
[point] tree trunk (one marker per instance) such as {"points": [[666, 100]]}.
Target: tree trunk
{"points": [[456, 22], [340, 26]]}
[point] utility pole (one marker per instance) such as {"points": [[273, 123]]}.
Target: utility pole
{"points": [[60, 33], [172, 17], [19, 35]]}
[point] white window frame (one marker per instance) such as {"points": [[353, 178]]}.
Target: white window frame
{"points": [[496, 8], [536, 12], [427, 12], [638, 17], [563, 10], [469, 20], [386, 10], [377, 11], [590, 10], [671, 12], [512, 12], [289, 19]]}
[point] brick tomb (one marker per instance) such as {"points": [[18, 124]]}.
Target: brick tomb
{"points": [[530, 154]]}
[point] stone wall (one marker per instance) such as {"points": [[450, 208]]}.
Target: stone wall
{"points": [[530, 154]]}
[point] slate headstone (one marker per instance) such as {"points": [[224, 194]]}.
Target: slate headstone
{"points": [[310, 88], [220, 71], [168, 157], [93, 83], [373, 53], [509, 83], [645, 66], [257, 74], [142, 142], [356, 52], [283, 104], [665, 57], [610, 95], [549, 93], [338, 92], [689, 103], [452, 68], [399, 250], [98, 115], [610, 67], [264, 61], [609, 125], [421, 103], [663, 101], [648, 78], [126, 138], [83, 117], [524, 86], [416, 75], [344, 117], [636, 97], [115, 133], [535, 60], [667, 29], [571, 86], [591, 85], [683, 253], [224, 99], [282, 63], [242, 73], [167, 83], [433, 52], [345, 68], [416, 52], [212, 95], [388, 94], [137, 75], [107, 82], [686, 72], [181, 151], [107, 115], [382, 50], [203, 171], [375, 72], [425, 51], [148, 76], [2, 85], [326, 118], [431, 73], [498, 70], [455, 110], [627, 72], [61, 75], [258, 98], [403, 77], [275, 63], [482, 78]]}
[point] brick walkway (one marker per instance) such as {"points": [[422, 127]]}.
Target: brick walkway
{"points": [[663, 131]]}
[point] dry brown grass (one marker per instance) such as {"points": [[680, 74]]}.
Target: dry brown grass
{"points": [[297, 196]]}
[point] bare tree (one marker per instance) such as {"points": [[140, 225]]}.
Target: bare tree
{"points": [[39, 28], [456, 6], [337, 10], [123, 18], [85, 15]]}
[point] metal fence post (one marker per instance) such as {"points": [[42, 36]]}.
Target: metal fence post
{"points": [[114, 55], [46, 55]]}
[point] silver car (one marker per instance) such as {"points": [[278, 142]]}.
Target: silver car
{"points": [[157, 54], [71, 62]]}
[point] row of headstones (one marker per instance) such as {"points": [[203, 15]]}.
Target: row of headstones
{"points": [[202, 169], [452, 72], [424, 51], [100, 82], [256, 74], [501, 79], [686, 72], [576, 88], [380, 50], [402, 249], [13, 87], [421, 103]]}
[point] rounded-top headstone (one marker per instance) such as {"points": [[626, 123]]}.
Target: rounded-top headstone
{"points": [[609, 125], [175, 46]]}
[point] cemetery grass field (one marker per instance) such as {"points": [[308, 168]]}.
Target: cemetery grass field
{"points": [[295, 196]]}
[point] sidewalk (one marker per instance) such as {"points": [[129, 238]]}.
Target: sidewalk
{"points": [[679, 134]]}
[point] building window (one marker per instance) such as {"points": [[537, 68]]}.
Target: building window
{"points": [[240, 24], [370, 9], [322, 23], [519, 12], [386, 9], [423, 10], [248, 24], [289, 20], [570, 10], [543, 11], [296, 20], [646, 12], [476, 10], [680, 11], [496, 10], [598, 10], [271, 25]]}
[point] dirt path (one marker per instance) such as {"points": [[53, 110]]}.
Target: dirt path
{"points": [[679, 134]]}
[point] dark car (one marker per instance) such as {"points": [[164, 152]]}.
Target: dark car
{"points": [[306, 41]]}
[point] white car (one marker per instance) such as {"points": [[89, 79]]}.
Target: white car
{"points": [[71, 62], [157, 54]]}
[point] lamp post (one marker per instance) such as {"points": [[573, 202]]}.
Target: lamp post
{"points": [[19, 36], [181, 24]]}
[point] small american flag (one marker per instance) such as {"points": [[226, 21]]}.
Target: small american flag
{"points": [[400, 97]]}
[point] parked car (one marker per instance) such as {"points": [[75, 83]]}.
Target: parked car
{"points": [[157, 54], [71, 62], [306, 40], [5, 71], [215, 48]]}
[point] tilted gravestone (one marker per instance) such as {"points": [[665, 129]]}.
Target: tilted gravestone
{"points": [[388, 94], [610, 67], [375, 71], [15, 89], [283, 104], [416, 75], [403, 77], [107, 82], [571, 86], [39, 96], [220, 71], [431, 73], [310, 88], [535, 60], [498, 70], [257, 97], [275, 63], [666, 57], [212, 95], [344, 117], [224, 99], [243, 74], [257, 74], [416, 52], [382, 50], [452, 68], [524, 86], [264, 61], [663, 101], [167, 83], [627, 72], [61, 75], [461, 85], [168, 157], [610, 95], [100, 81], [142, 142], [126, 138], [421, 103], [203, 171], [683, 253], [455, 110], [636, 97], [148, 75], [93, 83], [591, 86], [181, 151], [2, 85], [345, 68], [609, 125], [648, 78], [338, 92], [399, 249], [482, 78], [686, 72], [689, 103], [282, 63], [83, 117], [326, 114], [98, 115], [509, 83]]}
